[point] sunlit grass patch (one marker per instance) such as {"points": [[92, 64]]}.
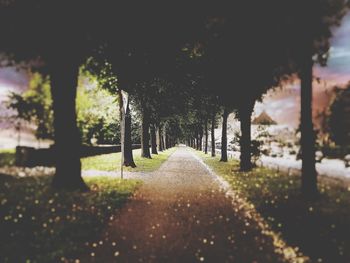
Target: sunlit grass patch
{"points": [[7, 157], [320, 228], [40, 225], [111, 162]]}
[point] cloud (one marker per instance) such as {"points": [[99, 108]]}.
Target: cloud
{"points": [[13, 79], [283, 105]]}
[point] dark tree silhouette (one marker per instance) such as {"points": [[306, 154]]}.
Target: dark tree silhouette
{"points": [[128, 156], [153, 139], [224, 136], [308, 43], [212, 133], [339, 117], [206, 137]]}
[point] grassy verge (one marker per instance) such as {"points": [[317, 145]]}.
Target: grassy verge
{"points": [[321, 228], [39, 225], [7, 157], [111, 162]]}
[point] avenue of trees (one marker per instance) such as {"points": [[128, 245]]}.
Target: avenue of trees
{"points": [[183, 66]]}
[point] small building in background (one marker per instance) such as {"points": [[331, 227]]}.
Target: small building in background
{"points": [[264, 119]]}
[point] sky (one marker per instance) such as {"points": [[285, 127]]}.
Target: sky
{"points": [[283, 105], [10, 80]]}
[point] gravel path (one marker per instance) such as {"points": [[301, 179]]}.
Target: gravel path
{"points": [[181, 214]]}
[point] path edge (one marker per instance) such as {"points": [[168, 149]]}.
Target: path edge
{"points": [[290, 254]]}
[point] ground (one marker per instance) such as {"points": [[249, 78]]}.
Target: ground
{"points": [[38, 224], [111, 162], [183, 214], [288, 163], [319, 228]]}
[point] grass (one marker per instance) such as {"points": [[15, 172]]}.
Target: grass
{"points": [[320, 228], [40, 225], [111, 162], [7, 157]]}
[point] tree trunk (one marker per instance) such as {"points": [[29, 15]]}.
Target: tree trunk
{"points": [[201, 139], [153, 139], [212, 131], [224, 136], [307, 141], [166, 140], [159, 138], [206, 137], [245, 141], [128, 155], [64, 80], [163, 140], [145, 135]]}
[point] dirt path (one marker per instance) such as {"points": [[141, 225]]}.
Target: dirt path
{"points": [[181, 215]]}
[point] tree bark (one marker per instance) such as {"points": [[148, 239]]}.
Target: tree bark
{"points": [[201, 138], [224, 136], [206, 137], [153, 139], [307, 141], [212, 133], [245, 141], [64, 80], [159, 138], [128, 155], [163, 140], [166, 140], [145, 135]]}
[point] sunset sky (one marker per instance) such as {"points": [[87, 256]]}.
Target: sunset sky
{"points": [[281, 104]]}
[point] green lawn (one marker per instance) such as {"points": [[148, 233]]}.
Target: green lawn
{"points": [[7, 157], [111, 162], [321, 228], [40, 225]]}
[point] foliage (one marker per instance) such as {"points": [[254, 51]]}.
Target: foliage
{"points": [[35, 105], [39, 225], [111, 162], [97, 111], [320, 228], [7, 157], [255, 144], [339, 117]]}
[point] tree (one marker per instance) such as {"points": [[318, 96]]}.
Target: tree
{"points": [[128, 156], [41, 51], [206, 137], [224, 136], [153, 139], [339, 117], [308, 43], [145, 137], [96, 110], [212, 132], [34, 106], [107, 79]]}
